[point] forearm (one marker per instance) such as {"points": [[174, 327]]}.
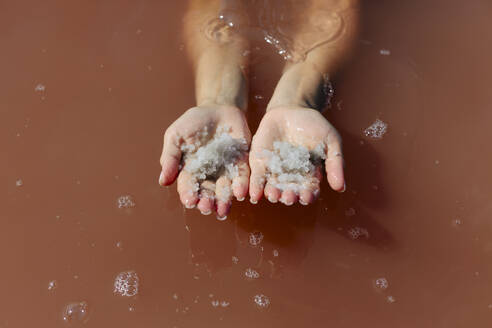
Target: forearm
{"points": [[218, 61], [302, 83]]}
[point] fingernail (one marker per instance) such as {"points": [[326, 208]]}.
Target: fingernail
{"points": [[190, 206], [161, 178], [206, 213], [253, 201], [283, 201], [241, 199], [222, 218], [272, 200], [344, 187], [302, 202]]}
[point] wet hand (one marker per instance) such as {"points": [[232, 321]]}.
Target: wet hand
{"points": [[300, 127], [207, 177]]}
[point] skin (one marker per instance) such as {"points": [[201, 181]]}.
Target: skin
{"points": [[292, 115]]}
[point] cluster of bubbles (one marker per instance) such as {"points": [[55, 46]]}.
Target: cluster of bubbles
{"points": [[76, 312], [261, 301], [251, 274], [126, 201], [217, 303], [126, 284], [358, 232], [376, 130], [385, 52], [381, 283], [255, 238]]}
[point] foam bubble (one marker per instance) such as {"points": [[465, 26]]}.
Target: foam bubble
{"points": [[126, 284], [275, 253], [215, 303], [381, 283], [126, 201], [40, 87], [251, 274], [255, 238], [225, 304], [52, 285], [261, 301], [19, 182], [391, 299], [385, 52], [235, 260], [76, 312], [376, 130]]}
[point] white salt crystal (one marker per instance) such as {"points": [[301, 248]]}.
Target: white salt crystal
{"points": [[289, 166], [215, 158]]}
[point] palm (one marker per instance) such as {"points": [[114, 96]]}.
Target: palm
{"points": [[300, 127], [195, 129]]}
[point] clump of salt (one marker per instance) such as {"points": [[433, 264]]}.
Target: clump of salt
{"points": [[215, 158], [289, 166]]}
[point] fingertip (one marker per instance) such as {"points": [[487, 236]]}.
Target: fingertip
{"points": [[189, 200], [240, 188], [336, 181], [289, 197], [334, 173], [256, 189], [272, 193], [206, 205], [223, 208], [306, 197], [169, 172]]}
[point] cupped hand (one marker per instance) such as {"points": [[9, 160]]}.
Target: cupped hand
{"points": [[298, 126], [193, 130]]}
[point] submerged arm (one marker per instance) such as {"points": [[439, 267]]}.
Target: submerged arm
{"points": [[302, 82], [216, 51]]}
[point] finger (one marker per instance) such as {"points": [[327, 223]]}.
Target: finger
{"points": [[289, 197], [272, 193], [256, 182], [306, 197], [187, 189], [334, 165], [207, 197], [240, 182], [223, 195], [170, 158]]}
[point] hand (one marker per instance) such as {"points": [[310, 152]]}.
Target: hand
{"points": [[298, 126], [192, 131]]}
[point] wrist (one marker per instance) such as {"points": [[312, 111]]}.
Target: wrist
{"points": [[228, 87], [301, 85]]}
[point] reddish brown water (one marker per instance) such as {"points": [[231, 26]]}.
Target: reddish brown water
{"points": [[417, 211]]}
